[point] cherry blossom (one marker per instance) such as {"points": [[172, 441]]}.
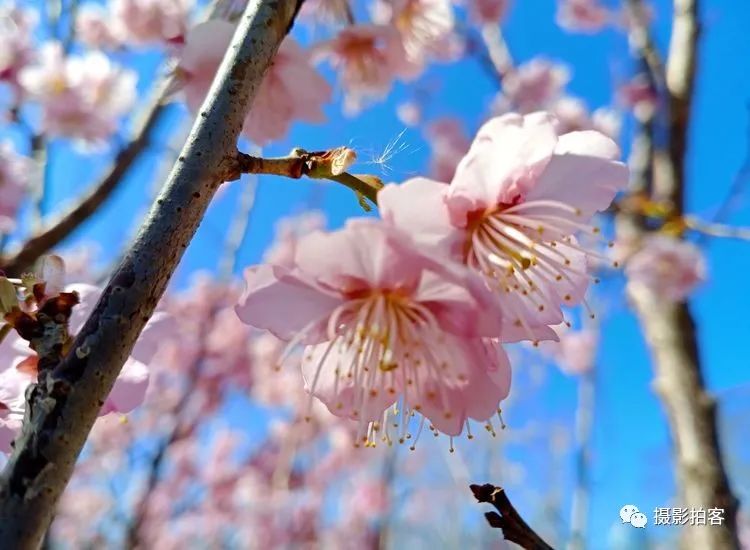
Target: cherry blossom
{"points": [[423, 24], [448, 143], [488, 11], [96, 29], [368, 58], [81, 96], [18, 363], [532, 86], [575, 352], [327, 11], [16, 44], [152, 21], [511, 212], [383, 321], [291, 90], [668, 267], [582, 15], [15, 173]]}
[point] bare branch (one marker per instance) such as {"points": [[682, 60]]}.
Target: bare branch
{"points": [[514, 528], [63, 406]]}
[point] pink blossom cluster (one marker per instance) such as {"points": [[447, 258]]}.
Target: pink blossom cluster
{"points": [[539, 84], [409, 315], [586, 16], [291, 90], [19, 363], [133, 22], [81, 96], [668, 267], [15, 172], [16, 41]]}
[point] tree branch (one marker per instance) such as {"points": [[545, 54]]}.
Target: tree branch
{"points": [[669, 327], [57, 231], [514, 528], [330, 165], [63, 406]]}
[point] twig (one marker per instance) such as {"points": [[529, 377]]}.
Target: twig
{"points": [[717, 229], [514, 528], [315, 165], [60, 413]]}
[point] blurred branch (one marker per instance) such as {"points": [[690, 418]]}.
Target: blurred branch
{"points": [[183, 426], [63, 406], [581, 493], [497, 49], [642, 42], [514, 528], [49, 237], [669, 327], [717, 229], [238, 230]]}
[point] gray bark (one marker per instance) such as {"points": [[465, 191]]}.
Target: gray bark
{"points": [[63, 406]]}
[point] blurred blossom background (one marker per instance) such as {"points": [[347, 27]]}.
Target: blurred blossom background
{"points": [[227, 449]]}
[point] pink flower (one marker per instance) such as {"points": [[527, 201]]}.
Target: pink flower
{"points": [[511, 212], [449, 144], [572, 115], [532, 86], [575, 352], [639, 95], [368, 58], [18, 366], [423, 24], [15, 172], [16, 41], [381, 320], [291, 90], [289, 231], [488, 11], [152, 21], [95, 28], [582, 15], [81, 96], [326, 11], [668, 267], [409, 113]]}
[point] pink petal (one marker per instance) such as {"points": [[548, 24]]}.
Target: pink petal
{"points": [[283, 302], [129, 389], [365, 255], [418, 207], [583, 173], [508, 154]]}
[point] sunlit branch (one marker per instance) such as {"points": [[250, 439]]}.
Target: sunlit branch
{"points": [[328, 165], [717, 229], [497, 49], [62, 408]]}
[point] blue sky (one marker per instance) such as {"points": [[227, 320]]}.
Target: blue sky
{"points": [[631, 461]]}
